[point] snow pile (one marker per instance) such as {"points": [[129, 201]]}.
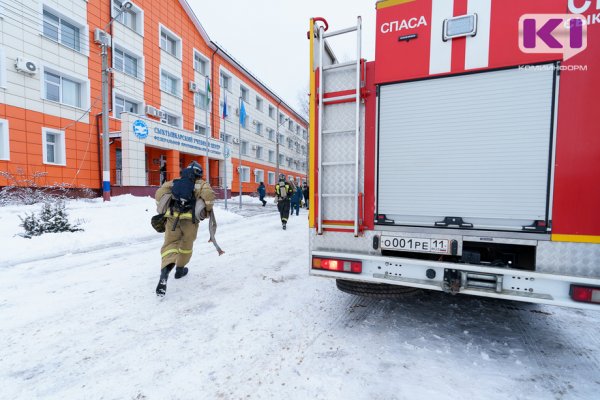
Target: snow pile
{"points": [[246, 199], [123, 221]]}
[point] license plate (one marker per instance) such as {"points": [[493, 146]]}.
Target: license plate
{"points": [[421, 245]]}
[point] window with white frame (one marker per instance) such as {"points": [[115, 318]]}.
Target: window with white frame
{"points": [[200, 129], [226, 137], [271, 155], [61, 30], [245, 174], [171, 119], [244, 93], [126, 62], [133, 18], [53, 142], [259, 152], [4, 140], [200, 63], [170, 83], [271, 112], [271, 133], [64, 89], [271, 176], [259, 128], [281, 138], [124, 105], [244, 148], [225, 81], [303, 133], [281, 159], [281, 118], [259, 176], [200, 100], [169, 42], [259, 104], [298, 130], [291, 125]]}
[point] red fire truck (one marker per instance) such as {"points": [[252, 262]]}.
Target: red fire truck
{"points": [[457, 161]]}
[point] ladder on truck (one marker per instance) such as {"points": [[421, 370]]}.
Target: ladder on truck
{"points": [[338, 137]]}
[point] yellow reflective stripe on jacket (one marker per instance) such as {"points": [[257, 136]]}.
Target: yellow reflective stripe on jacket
{"points": [[171, 251], [175, 214], [181, 251]]}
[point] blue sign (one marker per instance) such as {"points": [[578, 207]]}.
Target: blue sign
{"points": [[140, 129]]}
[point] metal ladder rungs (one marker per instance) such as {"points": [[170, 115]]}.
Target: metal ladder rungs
{"points": [[337, 163], [338, 98], [332, 132], [341, 65], [337, 195], [340, 32]]}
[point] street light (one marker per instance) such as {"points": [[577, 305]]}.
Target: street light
{"points": [[104, 45]]}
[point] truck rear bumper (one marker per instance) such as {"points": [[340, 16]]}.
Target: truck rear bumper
{"points": [[502, 283]]}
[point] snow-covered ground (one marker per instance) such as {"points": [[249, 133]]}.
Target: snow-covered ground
{"points": [[80, 320]]}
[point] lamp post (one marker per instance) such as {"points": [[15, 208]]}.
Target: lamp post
{"points": [[104, 45]]}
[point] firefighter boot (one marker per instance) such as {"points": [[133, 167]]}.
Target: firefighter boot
{"points": [[161, 289], [180, 272]]}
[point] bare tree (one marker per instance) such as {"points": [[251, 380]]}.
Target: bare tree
{"points": [[303, 101]]}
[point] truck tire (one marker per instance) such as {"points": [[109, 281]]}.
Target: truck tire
{"points": [[377, 290]]}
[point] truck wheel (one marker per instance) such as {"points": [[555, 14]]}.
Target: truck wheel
{"points": [[378, 290]]}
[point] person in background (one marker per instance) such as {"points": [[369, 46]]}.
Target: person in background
{"points": [[305, 193], [296, 200], [262, 192], [283, 193]]}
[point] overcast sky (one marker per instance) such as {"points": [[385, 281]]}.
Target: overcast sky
{"points": [[269, 36]]}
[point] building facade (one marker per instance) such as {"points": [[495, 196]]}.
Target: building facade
{"points": [[167, 86]]}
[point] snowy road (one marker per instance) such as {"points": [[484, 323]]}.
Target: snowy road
{"points": [[252, 324]]}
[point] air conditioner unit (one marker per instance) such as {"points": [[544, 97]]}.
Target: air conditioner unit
{"points": [[154, 112], [26, 66], [102, 37], [193, 86], [236, 140], [254, 147]]}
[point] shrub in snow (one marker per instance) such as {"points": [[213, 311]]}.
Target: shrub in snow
{"points": [[52, 218], [23, 189]]}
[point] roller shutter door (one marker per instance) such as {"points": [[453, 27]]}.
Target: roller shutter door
{"points": [[474, 146]]}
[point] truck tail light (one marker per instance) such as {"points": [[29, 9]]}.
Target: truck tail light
{"points": [[585, 294], [337, 265]]}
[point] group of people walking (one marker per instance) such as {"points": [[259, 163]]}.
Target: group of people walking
{"points": [[182, 203], [289, 197]]}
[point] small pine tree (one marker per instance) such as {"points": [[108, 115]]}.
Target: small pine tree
{"points": [[53, 218]]}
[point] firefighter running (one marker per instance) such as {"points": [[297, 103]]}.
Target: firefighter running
{"points": [[283, 193], [183, 201]]}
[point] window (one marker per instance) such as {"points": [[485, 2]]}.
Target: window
{"points": [[271, 112], [259, 152], [169, 83], [4, 142], [123, 105], [169, 42], [244, 94], [125, 62], [200, 100], [245, 174], [259, 175], [281, 118], [131, 18], [281, 159], [271, 178], [200, 63], [200, 129], [271, 133], [244, 149], [62, 89], [298, 130], [303, 133], [171, 119], [58, 29], [271, 155], [259, 128], [291, 125], [53, 142], [229, 109], [290, 178], [281, 138], [226, 137], [259, 103], [225, 81]]}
